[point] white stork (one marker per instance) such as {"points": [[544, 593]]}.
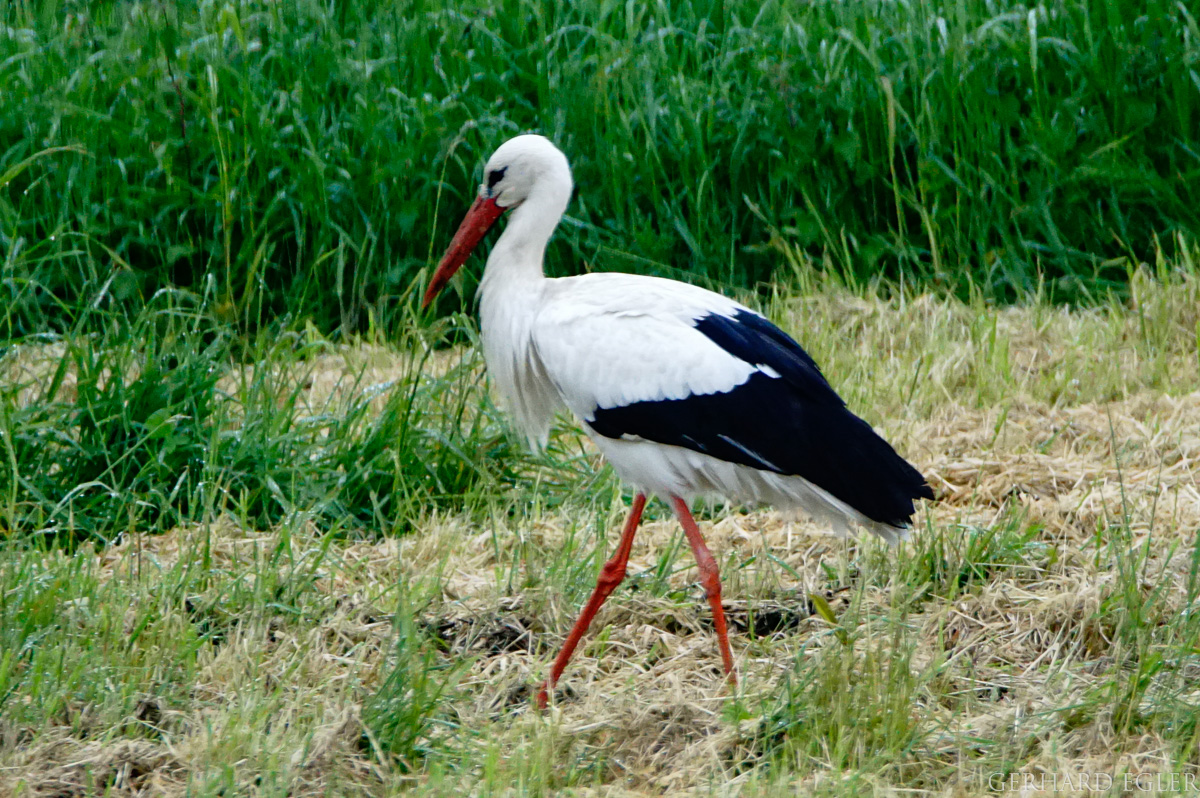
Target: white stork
{"points": [[684, 391]]}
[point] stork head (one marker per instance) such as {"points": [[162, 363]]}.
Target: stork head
{"points": [[523, 167]]}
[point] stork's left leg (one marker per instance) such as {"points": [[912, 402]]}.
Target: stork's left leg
{"points": [[710, 577]]}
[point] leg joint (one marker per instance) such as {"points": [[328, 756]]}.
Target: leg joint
{"points": [[612, 574], [711, 581]]}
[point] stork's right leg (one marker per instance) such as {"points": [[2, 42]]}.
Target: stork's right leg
{"points": [[610, 576]]}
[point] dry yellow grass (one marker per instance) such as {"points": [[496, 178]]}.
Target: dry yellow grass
{"points": [[1074, 432]]}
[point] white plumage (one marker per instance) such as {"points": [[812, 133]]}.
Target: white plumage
{"points": [[684, 391], [612, 340]]}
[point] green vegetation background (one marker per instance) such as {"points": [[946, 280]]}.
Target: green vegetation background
{"points": [[306, 159], [198, 198]]}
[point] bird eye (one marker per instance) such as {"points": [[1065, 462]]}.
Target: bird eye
{"points": [[496, 176]]}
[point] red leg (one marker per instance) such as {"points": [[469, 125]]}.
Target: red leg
{"points": [[710, 578], [610, 576]]}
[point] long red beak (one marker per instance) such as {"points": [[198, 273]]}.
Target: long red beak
{"points": [[479, 219]]}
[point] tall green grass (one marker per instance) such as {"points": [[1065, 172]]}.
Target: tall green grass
{"points": [[157, 421], [310, 156]]}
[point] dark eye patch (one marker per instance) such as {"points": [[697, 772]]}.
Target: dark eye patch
{"points": [[496, 176]]}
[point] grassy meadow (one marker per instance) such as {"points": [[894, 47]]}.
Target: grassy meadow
{"points": [[1041, 620], [264, 531]]}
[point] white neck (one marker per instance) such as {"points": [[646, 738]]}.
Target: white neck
{"points": [[518, 254]]}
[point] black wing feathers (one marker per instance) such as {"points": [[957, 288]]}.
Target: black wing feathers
{"points": [[752, 338], [795, 424]]}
